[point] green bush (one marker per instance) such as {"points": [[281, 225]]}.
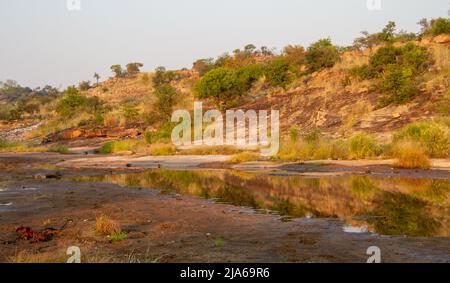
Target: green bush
{"points": [[440, 26], [74, 102], [322, 54], [399, 85], [399, 69], [277, 72], [163, 134], [248, 75], [118, 146], [162, 76], [62, 149], [5, 144], [433, 137], [435, 26]]}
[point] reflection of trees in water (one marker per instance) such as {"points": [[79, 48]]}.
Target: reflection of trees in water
{"points": [[408, 207], [404, 215]]}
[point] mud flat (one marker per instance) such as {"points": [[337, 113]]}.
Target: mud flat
{"points": [[166, 226]]}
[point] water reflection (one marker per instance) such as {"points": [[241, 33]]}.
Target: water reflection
{"points": [[411, 207]]}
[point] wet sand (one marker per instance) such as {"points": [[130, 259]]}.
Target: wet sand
{"points": [[170, 227]]}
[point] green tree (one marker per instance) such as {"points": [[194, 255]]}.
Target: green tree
{"points": [[221, 85], [322, 54], [203, 66], [387, 35], [166, 99], [72, 101], [250, 48], [84, 85], [134, 68], [117, 70], [162, 76]]}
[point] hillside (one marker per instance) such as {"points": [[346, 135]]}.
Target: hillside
{"points": [[383, 83]]}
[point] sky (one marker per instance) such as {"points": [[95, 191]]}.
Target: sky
{"points": [[44, 42]]}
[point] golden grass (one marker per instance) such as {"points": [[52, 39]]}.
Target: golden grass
{"points": [[106, 226], [317, 150], [411, 155], [211, 150], [14, 147], [244, 157], [162, 149]]}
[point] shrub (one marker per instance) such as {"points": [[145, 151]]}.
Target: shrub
{"points": [[162, 135], [119, 146], [399, 86], [62, 149], [434, 138], [162, 149], [5, 144], [293, 134], [322, 54], [411, 155], [277, 72], [117, 237], [166, 99], [435, 26], [106, 226], [399, 69], [73, 102], [363, 146], [248, 75], [162, 76], [440, 26]]}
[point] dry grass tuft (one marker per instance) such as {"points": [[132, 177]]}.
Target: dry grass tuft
{"points": [[411, 155], [106, 226], [244, 157]]}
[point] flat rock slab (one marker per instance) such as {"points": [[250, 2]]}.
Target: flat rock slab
{"points": [[171, 162]]}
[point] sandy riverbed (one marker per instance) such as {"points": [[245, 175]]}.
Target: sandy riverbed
{"points": [[170, 227]]}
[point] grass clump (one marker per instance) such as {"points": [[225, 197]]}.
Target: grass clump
{"points": [[411, 155], [6, 146], [62, 149], [106, 226], [244, 157], [313, 146], [363, 146], [117, 237], [219, 243], [212, 150], [119, 146], [162, 149], [433, 138]]}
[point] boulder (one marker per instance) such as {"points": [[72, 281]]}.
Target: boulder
{"points": [[71, 134], [442, 39]]}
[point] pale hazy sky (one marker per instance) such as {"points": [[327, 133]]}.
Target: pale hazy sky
{"points": [[42, 42]]}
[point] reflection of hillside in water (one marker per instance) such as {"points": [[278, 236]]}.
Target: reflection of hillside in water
{"points": [[413, 207]]}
